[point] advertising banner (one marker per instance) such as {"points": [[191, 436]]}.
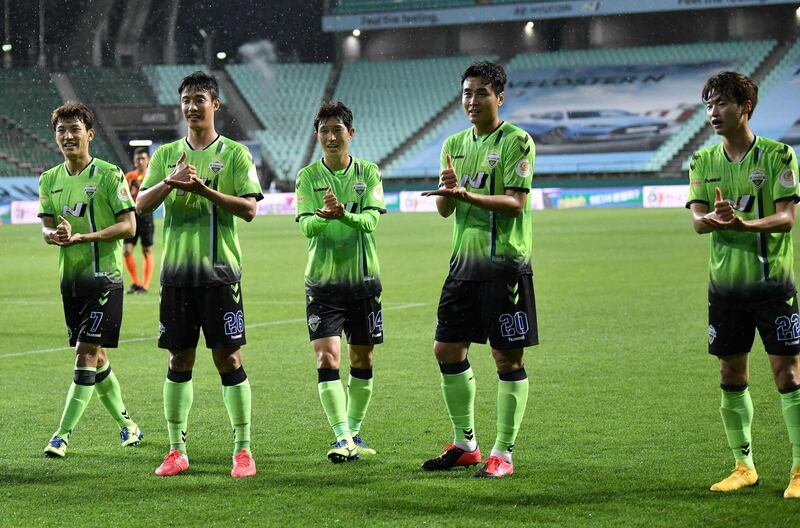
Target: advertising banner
{"points": [[592, 197], [661, 196]]}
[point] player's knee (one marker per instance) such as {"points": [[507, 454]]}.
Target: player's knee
{"points": [[361, 357], [126, 252], [787, 377], [88, 351], [147, 251], [327, 359], [449, 352], [506, 360], [180, 362]]}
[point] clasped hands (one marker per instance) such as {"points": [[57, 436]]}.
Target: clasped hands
{"points": [[63, 235], [449, 183], [184, 177], [332, 209], [723, 215]]}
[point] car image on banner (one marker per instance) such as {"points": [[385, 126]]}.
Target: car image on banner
{"points": [[557, 127]]}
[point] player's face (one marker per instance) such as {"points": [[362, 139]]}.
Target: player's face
{"points": [[334, 137], [140, 162], [726, 115], [198, 108], [481, 104], [73, 138]]}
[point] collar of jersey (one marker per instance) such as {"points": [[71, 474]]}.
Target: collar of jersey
{"points": [[753, 144], [486, 136], [80, 171], [344, 171], [186, 140]]}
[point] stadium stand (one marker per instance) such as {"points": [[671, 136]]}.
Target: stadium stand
{"points": [[772, 112], [421, 159], [284, 98], [164, 79], [355, 7], [393, 100], [111, 86]]}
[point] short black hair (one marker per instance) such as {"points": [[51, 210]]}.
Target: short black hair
{"points": [[489, 73], [201, 82], [335, 109], [141, 150], [733, 86], [72, 110]]}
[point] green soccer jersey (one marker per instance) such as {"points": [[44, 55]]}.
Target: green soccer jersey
{"points": [[89, 201], [342, 255], [748, 266], [489, 245], [201, 246]]}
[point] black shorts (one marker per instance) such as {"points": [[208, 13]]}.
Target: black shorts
{"points": [[94, 318], [361, 319], [145, 228], [732, 327], [503, 310], [217, 309]]}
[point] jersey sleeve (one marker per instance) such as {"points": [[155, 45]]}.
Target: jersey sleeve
{"points": [[517, 166], [117, 192], [246, 182], [155, 170], [697, 188], [304, 197], [373, 199], [785, 186], [45, 205]]}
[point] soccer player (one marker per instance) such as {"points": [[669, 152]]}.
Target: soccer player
{"points": [[339, 202], [144, 228], [486, 175], [205, 181], [90, 200], [743, 191]]}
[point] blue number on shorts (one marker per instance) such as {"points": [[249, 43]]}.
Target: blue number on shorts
{"points": [[788, 329], [234, 322], [96, 317], [514, 325], [375, 320]]}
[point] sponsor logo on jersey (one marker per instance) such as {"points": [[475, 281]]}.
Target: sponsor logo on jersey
{"points": [[215, 167], [359, 188], [696, 183], [523, 168], [90, 190], [787, 178], [123, 193], [313, 322], [712, 334], [757, 178], [492, 159]]}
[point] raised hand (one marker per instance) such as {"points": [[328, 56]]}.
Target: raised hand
{"points": [[448, 177], [63, 235], [181, 177], [722, 208], [333, 209]]}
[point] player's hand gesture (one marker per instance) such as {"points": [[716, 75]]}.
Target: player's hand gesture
{"points": [[447, 176], [723, 216], [333, 209], [63, 235], [181, 177]]}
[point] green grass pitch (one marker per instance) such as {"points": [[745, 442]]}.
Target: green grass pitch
{"points": [[622, 426]]}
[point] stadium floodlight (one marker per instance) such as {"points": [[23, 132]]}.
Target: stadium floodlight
{"points": [[7, 47], [797, 14], [221, 55], [529, 28], [356, 32], [140, 142]]}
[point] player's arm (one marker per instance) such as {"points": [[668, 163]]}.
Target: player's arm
{"points": [[699, 212], [155, 187], [372, 206], [782, 221], [245, 207], [49, 230], [311, 224]]}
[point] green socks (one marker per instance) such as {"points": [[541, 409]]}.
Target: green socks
{"points": [[790, 403], [78, 396], [108, 392], [512, 397], [178, 396], [359, 393], [458, 387], [237, 398], [332, 397], [736, 409]]}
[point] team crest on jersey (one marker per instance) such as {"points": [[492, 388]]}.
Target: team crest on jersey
{"points": [[359, 188], [313, 322], [712, 334], [757, 178], [90, 190], [787, 178], [492, 159], [215, 166], [523, 168]]}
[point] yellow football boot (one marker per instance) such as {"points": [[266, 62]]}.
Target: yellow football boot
{"points": [[793, 489], [743, 476]]}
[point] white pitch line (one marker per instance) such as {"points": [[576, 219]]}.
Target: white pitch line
{"points": [[255, 325]]}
